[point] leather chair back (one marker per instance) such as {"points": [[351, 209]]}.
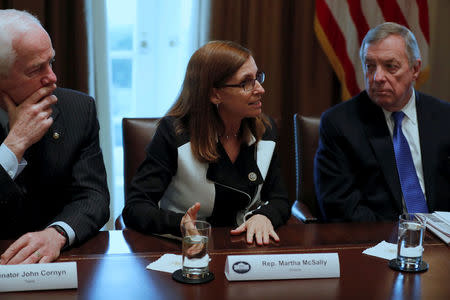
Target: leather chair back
{"points": [[306, 134], [137, 134]]}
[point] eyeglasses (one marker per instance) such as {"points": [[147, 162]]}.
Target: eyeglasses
{"points": [[249, 84]]}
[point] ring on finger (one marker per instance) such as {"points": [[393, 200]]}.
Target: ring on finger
{"points": [[37, 254]]}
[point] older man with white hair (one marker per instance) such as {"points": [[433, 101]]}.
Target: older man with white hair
{"points": [[387, 150], [52, 176]]}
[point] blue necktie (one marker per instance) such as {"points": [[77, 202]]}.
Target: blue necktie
{"points": [[412, 192]]}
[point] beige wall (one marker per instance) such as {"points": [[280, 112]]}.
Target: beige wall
{"points": [[438, 83]]}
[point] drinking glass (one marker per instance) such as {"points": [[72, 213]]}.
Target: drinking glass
{"points": [[195, 235], [411, 230]]}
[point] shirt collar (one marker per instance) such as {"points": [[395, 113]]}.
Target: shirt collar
{"points": [[251, 140], [409, 109]]}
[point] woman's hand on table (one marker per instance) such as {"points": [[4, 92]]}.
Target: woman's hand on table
{"points": [[259, 227]]}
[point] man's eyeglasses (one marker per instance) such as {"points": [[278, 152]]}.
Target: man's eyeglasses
{"points": [[249, 84]]}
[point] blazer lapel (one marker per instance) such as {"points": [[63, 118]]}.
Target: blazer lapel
{"points": [[3, 125], [56, 132], [425, 123], [380, 139]]}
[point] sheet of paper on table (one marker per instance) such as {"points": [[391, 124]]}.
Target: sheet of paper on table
{"points": [[439, 223]]}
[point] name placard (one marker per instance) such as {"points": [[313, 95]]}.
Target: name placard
{"points": [[30, 277], [282, 266]]}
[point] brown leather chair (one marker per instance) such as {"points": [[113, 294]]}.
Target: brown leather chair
{"points": [[137, 134], [306, 134]]}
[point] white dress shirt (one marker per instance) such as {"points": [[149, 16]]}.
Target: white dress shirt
{"points": [[410, 130], [8, 161]]}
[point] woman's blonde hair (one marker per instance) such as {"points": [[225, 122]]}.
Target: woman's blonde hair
{"points": [[210, 66]]}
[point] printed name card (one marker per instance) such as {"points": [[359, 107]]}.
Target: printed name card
{"points": [[52, 276], [282, 266]]}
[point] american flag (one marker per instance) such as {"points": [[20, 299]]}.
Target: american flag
{"points": [[341, 25]]}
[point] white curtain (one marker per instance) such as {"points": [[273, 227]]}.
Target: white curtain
{"points": [[99, 84], [100, 80]]}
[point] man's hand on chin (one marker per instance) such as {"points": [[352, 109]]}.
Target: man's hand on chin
{"points": [[34, 247], [30, 120]]}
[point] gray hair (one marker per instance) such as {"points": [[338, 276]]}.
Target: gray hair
{"points": [[384, 30], [12, 23]]}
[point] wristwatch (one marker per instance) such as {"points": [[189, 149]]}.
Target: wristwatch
{"points": [[63, 233]]}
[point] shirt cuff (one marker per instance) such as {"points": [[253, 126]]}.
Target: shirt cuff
{"points": [[8, 161], [68, 229]]}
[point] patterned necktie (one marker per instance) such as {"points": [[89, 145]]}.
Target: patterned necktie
{"points": [[412, 192]]}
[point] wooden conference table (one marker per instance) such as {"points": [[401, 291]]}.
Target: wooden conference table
{"points": [[112, 265]]}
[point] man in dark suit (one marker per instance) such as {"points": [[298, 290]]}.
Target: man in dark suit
{"points": [[387, 150], [52, 176]]}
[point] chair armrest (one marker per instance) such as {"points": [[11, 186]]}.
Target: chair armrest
{"points": [[301, 212]]}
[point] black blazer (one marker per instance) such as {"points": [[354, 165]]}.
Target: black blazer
{"points": [[171, 179], [65, 179], [355, 171]]}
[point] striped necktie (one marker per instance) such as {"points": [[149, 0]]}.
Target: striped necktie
{"points": [[412, 192]]}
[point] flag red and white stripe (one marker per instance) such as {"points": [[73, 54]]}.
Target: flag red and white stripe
{"points": [[341, 25]]}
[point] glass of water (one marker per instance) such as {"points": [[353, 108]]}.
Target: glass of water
{"points": [[411, 230], [196, 235]]}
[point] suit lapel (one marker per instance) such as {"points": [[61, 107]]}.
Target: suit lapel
{"points": [[380, 139], [3, 125], [425, 123], [54, 134], [55, 112], [2, 134]]}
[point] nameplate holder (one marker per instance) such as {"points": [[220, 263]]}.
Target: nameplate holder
{"points": [[282, 266], [53, 276]]}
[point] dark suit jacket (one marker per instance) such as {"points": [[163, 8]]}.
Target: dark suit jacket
{"points": [[65, 179], [355, 171]]}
